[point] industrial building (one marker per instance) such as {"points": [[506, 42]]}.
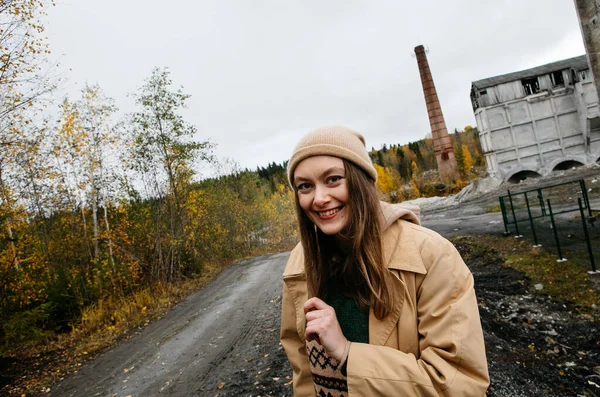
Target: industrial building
{"points": [[538, 120]]}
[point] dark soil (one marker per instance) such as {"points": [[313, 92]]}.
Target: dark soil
{"points": [[536, 346]]}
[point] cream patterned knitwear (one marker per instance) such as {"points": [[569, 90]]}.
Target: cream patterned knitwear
{"points": [[328, 374]]}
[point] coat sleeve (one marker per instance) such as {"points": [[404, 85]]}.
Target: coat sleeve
{"points": [[294, 346], [452, 361]]}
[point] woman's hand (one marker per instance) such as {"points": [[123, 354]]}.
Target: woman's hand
{"points": [[322, 325]]}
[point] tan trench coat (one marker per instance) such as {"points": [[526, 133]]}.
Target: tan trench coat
{"points": [[430, 345]]}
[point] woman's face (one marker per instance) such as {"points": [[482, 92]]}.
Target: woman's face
{"points": [[322, 191]]}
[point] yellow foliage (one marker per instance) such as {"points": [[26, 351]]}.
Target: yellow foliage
{"points": [[388, 179], [467, 159], [415, 181]]}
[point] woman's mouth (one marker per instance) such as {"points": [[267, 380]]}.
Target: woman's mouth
{"points": [[329, 213]]}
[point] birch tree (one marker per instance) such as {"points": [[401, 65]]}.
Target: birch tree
{"points": [[163, 152], [86, 143], [22, 55]]}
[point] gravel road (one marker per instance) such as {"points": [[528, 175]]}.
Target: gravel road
{"points": [[180, 354]]}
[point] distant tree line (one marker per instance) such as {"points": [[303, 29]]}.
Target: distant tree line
{"points": [[410, 171]]}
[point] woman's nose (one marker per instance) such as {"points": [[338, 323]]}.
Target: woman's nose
{"points": [[321, 195]]}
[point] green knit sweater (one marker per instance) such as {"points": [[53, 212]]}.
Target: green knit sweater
{"points": [[353, 321]]}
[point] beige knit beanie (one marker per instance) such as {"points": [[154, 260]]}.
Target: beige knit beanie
{"points": [[336, 141]]}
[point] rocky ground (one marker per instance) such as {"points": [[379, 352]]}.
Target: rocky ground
{"points": [[536, 346]]}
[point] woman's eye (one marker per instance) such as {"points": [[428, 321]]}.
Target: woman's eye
{"points": [[303, 186], [335, 178]]}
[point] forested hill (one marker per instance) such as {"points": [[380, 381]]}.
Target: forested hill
{"points": [[407, 171]]}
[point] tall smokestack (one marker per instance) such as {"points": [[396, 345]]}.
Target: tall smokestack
{"points": [[588, 14], [444, 153]]}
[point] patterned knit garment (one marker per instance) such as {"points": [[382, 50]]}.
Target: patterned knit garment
{"points": [[328, 374]]}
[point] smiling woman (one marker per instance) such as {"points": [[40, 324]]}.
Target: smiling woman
{"points": [[373, 303], [322, 192]]}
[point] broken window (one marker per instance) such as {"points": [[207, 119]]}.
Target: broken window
{"points": [[582, 75], [557, 79], [483, 92], [474, 100], [531, 86]]}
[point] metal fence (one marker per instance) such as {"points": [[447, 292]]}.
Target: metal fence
{"points": [[559, 215]]}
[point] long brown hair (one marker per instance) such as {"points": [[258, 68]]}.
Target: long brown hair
{"points": [[362, 271]]}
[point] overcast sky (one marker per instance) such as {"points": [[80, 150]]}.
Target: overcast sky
{"points": [[261, 73]]}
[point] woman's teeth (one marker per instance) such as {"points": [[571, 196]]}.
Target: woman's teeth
{"points": [[330, 212]]}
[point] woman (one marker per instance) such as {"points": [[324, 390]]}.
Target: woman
{"points": [[373, 304]]}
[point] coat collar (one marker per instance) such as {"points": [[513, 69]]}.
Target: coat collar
{"points": [[400, 248]]}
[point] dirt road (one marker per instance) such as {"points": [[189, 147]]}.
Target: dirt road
{"points": [[181, 353]]}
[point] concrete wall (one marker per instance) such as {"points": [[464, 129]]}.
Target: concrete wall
{"points": [[537, 132]]}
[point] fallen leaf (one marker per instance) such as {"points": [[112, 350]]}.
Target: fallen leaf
{"points": [[221, 385]]}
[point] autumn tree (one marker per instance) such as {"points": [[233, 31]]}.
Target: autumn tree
{"points": [[22, 57], [467, 160], [388, 182], [415, 181], [22, 51], [86, 143], [163, 151]]}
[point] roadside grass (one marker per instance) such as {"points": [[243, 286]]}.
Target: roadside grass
{"points": [[495, 208], [100, 326], [565, 281]]}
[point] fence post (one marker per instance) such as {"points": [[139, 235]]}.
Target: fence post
{"points": [[535, 240], [560, 258], [540, 197], [512, 208], [504, 217], [587, 236], [586, 199]]}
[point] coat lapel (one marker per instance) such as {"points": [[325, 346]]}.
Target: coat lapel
{"points": [[380, 330], [402, 254]]}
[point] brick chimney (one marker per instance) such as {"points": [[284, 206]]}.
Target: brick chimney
{"points": [[589, 18], [444, 153]]}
